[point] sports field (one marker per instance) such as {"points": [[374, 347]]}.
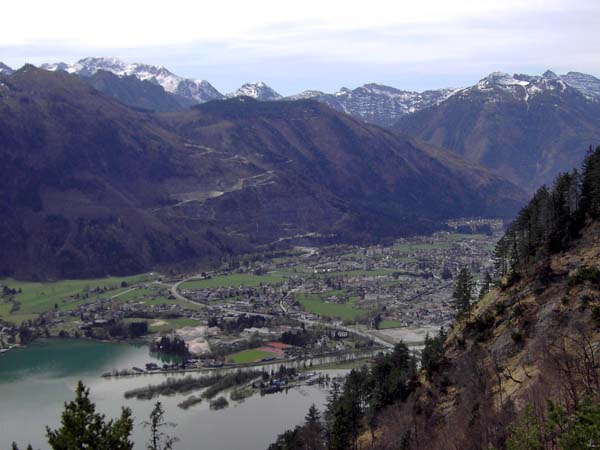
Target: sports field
{"points": [[250, 355], [386, 324]]}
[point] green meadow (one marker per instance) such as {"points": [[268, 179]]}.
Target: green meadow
{"points": [[234, 280], [385, 324], [316, 304], [247, 356], [40, 297]]}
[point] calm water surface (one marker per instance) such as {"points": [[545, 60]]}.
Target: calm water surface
{"points": [[36, 381]]}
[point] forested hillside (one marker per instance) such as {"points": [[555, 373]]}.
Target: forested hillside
{"points": [[519, 370]]}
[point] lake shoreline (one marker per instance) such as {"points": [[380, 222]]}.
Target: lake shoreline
{"points": [[37, 380]]}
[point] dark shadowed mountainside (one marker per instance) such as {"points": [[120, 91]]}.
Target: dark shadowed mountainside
{"points": [[95, 187], [137, 93]]}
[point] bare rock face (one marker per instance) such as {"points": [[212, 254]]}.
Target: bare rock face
{"points": [[376, 103]]}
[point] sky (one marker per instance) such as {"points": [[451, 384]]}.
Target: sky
{"points": [[312, 44]]}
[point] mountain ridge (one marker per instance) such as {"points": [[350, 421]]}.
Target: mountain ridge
{"points": [[371, 102]]}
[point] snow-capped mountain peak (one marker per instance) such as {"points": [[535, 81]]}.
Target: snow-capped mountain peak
{"points": [[519, 86], [196, 90], [310, 94], [549, 75], [259, 91], [500, 79]]}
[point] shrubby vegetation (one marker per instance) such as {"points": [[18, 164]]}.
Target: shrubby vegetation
{"points": [[219, 403], [432, 355], [173, 345], [215, 383]]}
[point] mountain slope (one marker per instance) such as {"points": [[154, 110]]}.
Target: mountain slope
{"points": [[527, 128], [137, 93], [5, 70], [314, 145], [588, 85], [87, 176], [520, 347], [97, 187]]}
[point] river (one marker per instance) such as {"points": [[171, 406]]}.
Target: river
{"points": [[37, 380]]}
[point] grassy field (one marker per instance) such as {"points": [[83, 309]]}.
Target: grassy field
{"points": [[250, 355], [36, 298], [385, 324], [135, 294], [451, 239], [234, 280], [315, 303], [466, 237], [167, 301], [359, 273], [411, 248]]}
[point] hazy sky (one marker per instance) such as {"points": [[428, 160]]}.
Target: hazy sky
{"points": [[312, 44]]}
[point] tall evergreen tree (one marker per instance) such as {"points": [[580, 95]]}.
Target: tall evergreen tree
{"points": [[590, 190], [83, 428], [432, 355], [313, 431], [485, 285], [463, 292]]}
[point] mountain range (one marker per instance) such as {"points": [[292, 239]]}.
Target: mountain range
{"points": [[98, 187], [527, 128], [374, 103]]}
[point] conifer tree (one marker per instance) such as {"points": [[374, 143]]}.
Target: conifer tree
{"points": [[313, 430], [83, 428], [463, 292], [485, 285]]}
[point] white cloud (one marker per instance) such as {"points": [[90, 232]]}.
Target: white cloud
{"points": [[133, 23], [314, 43]]}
